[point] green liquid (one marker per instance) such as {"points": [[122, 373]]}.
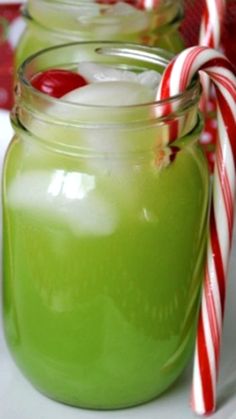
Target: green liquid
{"points": [[101, 289]]}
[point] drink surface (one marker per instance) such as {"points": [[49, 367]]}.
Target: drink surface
{"points": [[103, 248]]}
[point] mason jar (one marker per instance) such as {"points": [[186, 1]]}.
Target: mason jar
{"points": [[57, 22], [104, 233]]}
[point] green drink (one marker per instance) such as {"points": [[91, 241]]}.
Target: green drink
{"points": [[57, 22], [104, 231]]}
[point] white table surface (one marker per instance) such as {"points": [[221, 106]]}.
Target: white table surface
{"points": [[18, 400]]}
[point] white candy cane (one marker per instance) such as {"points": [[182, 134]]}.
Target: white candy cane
{"points": [[176, 78]]}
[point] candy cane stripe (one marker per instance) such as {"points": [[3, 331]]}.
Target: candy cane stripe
{"points": [[210, 335], [221, 220], [225, 188], [217, 256], [228, 119], [215, 328], [212, 277], [210, 30], [197, 393], [226, 86], [228, 147], [188, 68], [204, 370]]}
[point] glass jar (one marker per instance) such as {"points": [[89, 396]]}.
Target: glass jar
{"points": [[104, 236], [60, 21]]}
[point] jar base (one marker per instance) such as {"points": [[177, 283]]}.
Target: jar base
{"points": [[103, 407]]}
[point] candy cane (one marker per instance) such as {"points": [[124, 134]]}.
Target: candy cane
{"points": [[176, 78], [211, 25], [210, 36]]}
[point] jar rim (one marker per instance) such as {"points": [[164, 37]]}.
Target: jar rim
{"points": [[45, 13], [121, 49], [74, 3]]}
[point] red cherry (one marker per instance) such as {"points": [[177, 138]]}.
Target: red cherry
{"points": [[57, 83]]}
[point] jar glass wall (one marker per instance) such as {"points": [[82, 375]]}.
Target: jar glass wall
{"points": [[104, 236]]}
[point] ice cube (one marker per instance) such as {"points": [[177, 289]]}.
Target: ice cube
{"points": [[94, 72], [134, 20], [87, 12], [122, 9], [67, 198], [118, 19], [28, 191], [92, 215], [149, 78], [90, 11], [111, 93]]}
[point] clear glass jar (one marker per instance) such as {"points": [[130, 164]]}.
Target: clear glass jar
{"points": [[104, 237], [60, 21]]}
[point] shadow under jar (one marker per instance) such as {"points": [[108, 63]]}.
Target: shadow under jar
{"points": [[50, 23], [104, 231]]}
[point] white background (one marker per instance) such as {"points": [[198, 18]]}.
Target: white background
{"points": [[18, 400]]}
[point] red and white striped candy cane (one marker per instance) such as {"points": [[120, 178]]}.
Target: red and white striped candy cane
{"points": [[176, 78], [211, 24], [210, 35]]}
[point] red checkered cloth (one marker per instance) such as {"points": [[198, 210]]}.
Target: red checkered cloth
{"points": [[191, 25], [9, 13]]}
